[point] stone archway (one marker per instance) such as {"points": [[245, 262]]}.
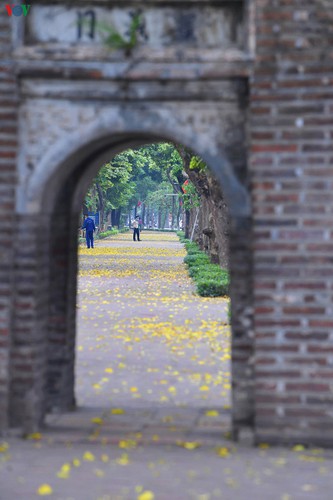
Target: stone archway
{"points": [[50, 199]]}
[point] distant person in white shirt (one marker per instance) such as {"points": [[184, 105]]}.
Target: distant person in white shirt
{"points": [[135, 227]]}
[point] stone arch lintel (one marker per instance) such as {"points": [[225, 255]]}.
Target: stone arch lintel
{"points": [[100, 143]]}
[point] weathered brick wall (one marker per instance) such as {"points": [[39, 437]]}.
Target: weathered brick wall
{"points": [[242, 342], [62, 306], [8, 142], [29, 325], [291, 130]]}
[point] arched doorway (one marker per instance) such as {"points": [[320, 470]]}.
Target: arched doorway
{"points": [[49, 206]]}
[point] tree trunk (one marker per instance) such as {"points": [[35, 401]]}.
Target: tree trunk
{"points": [[143, 215], [213, 232], [115, 217], [100, 207], [214, 220], [187, 223]]}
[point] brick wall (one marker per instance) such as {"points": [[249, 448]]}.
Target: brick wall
{"points": [[8, 132], [62, 307], [29, 328], [292, 179], [241, 294], [291, 166]]}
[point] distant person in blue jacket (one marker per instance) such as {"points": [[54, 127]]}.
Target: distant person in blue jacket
{"points": [[89, 226]]}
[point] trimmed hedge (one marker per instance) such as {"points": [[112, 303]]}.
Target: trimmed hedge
{"points": [[111, 232], [106, 234], [196, 259], [156, 230], [212, 287], [211, 280]]}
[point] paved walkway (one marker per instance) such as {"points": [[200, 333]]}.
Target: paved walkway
{"points": [[153, 391]]}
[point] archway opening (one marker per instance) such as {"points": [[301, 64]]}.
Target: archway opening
{"points": [[60, 388], [151, 351]]}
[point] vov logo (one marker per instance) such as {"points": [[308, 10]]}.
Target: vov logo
{"points": [[18, 10]]}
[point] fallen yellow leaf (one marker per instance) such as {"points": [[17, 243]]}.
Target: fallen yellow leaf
{"points": [[123, 460], [4, 447], [117, 411], [223, 452], [88, 457], [212, 413], [146, 495], [97, 420], [44, 489]]}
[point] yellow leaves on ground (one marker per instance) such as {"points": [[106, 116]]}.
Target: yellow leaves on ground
{"points": [[212, 413], [64, 471], [104, 273], [4, 447], [88, 456], [223, 452], [188, 445], [307, 458], [123, 460], [35, 436], [146, 495], [117, 411], [132, 251], [298, 447], [44, 490], [127, 444], [97, 420], [191, 334]]}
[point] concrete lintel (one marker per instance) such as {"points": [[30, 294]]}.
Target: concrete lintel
{"points": [[92, 57], [229, 90]]}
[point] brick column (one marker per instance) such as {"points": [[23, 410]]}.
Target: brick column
{"points": [[8, 145], [292, 181], [241, 269], [62, 312], [29, 336]]}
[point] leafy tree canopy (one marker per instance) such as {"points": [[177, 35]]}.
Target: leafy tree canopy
{"points": [[152, 175]]}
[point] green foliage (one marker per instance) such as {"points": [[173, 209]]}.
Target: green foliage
{"points": [[145, 174], [210, 287], [162, 230], [198, 164], [191, 198], [114, 40], [106, 234], [211, 280], [209, 270], [192, 247], [196, 259], [112, 187], [181, 236]]}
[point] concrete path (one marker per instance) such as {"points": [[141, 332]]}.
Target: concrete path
{"points": [[153, 393]]}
